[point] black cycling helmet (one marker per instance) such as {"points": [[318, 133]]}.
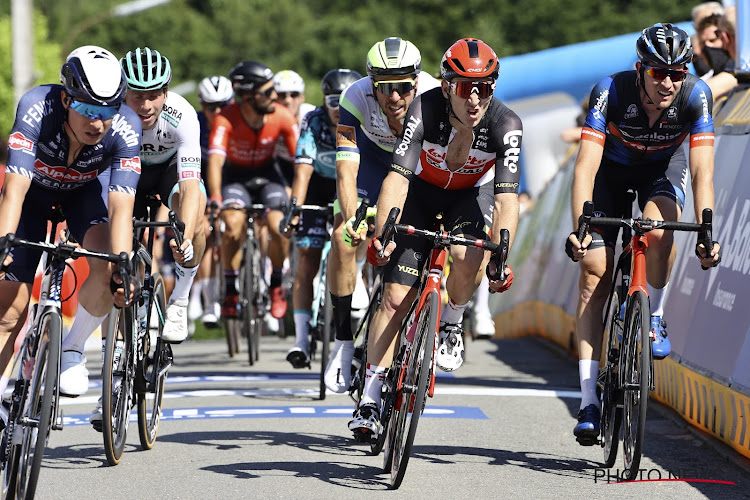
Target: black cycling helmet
{"points": [[249, 75], [664, 44], [336, 80]]}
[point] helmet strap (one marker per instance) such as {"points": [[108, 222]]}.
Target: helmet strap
{"points": [[641, 77]]}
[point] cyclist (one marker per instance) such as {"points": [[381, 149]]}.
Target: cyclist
{"points": [[290, 93], [372, 118], [632, 139], [244, 136], [459, 156], [314, 183], [76, 145], [214, 93]]}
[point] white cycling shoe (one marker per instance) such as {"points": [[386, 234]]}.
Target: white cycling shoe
{"points": [[74, 377], [450, 355], [338, 376], [175, 326]]}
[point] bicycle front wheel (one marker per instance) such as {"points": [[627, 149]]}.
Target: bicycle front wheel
{"points": [[117, 383], [609, 391], [637, 381], [251, 315], [38, 406], [152, 365], [410, 399], [325, 339]]}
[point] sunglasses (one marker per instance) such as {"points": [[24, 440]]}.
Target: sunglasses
{"points": [[213, 106], [676, 75], [402, 87], [332, 101], [94, 111], [293, 95], [267, 93], [464, 89]]}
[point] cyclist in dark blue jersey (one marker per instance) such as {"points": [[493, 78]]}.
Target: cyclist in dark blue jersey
{"points": [[633, 139], [75, 145]]}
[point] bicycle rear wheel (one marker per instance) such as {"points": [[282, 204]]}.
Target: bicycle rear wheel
{"points": [[117, 383], [610, 394], [252, 319], [410, 399], [38, 406], [637, 381], [325, 338], [152, 365]]}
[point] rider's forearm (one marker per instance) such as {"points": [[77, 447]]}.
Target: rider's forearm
{"points": [[189, 202], [346, 187], [213, 174], [392, 194], [302, 174], [702, 178], [584, 174], [121, 221], [505, 216], [11, 202]]}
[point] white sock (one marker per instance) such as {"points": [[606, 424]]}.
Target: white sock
{"points": [[657, 297], [482, 299], [588, 372], [83, 326], [302, 328], [452, 313], [208, 290], [183, 281], [195, 292], [373, 384], [360, 266]]}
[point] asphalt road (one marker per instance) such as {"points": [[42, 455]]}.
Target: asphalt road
{"points": [[500, 427]]}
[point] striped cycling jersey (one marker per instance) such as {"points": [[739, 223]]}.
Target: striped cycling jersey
{"points": [[617, 121], [38, 146]]}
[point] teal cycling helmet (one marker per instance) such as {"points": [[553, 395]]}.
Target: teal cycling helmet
{"points": [[393, 56], [146, 69]]}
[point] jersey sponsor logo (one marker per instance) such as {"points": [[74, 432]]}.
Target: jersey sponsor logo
{"points": [[189, 174], [513, 140], [190, 159], [408, 270], [36, 112], [706, 114], [132, 164], [63, 174], [19, 142], [121, 127], [504, 185], [90, 161], [172, 112], [403, 171], [154, 148], [632, 112], [600, 104], [411, 126], [701, 140]]}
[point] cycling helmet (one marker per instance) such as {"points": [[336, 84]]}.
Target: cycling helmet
{"points": [[146, 69], [93, 74], [393, 56], [288, 81], [215, 89], [470, 58], [664, 44], [336, 80], [250, 74]]}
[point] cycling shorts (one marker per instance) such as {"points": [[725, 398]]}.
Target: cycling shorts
{"points": [[158, 179], [613, 181], [273, 194], [465, 212], [83, 207], [312, 231]]}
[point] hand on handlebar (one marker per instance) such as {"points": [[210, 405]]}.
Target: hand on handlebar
{"points": [[575, 249], [116, 287], [287, 226], [711, 260], [354, 238], [500, 285], [185, 253], [373, 252]]}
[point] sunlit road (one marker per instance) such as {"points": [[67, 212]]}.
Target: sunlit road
{"points": [[500, 427]]}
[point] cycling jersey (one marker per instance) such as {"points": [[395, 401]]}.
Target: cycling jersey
{"points": [[38, 146], [617, 121], [245, 147], [364, 135], [177, 133], [317, 144], [493, 155]]}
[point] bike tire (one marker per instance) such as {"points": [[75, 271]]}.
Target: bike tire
{"points": [[151, 367], [388, 398], [325, 339], [39, 404], [637, 379], [117, 383], [417, 376], [251, 322], [610, 393]]}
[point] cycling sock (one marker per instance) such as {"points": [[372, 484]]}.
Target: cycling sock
{"points": [[276, 277], [82, 328], [302, 327], [482, 299], [183, 281], [230, 280], [453, 313], [657, 298], [342, 316], [588, 372], [373, 385]]}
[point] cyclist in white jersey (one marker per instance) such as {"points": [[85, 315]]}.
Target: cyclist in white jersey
{"points": [[372, 111]]}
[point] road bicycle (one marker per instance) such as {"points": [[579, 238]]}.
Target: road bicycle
{"points": [[253, 303], [136, 359], [35, 402], [411, 377], [627, 374]]}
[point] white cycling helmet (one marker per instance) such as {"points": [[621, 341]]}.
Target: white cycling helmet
{"points": [[215, 89], [288, 81], [93, 74]]}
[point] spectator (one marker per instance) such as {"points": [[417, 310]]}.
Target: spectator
{"points": [[724, 81], [714, 58], [699, 13]]}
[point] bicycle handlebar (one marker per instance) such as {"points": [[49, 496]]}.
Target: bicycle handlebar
{"points": [[286, 222]]}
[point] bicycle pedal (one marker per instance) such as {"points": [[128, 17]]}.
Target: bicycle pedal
{"points": [[588, 441], [365, 436]]}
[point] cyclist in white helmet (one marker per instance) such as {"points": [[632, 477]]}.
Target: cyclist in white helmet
{"points": [[214, 93]]}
